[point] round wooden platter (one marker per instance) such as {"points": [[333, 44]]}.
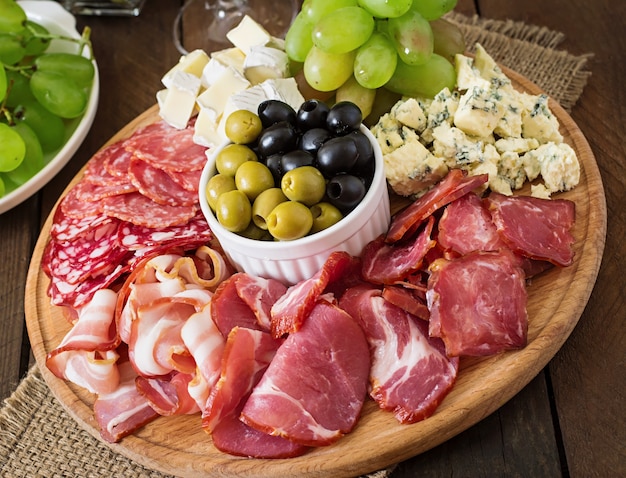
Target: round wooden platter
{"points": [[179, 446]]}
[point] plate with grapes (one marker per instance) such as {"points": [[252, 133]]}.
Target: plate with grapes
{"points": [[58, 22]]}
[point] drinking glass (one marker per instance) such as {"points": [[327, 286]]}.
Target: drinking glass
{"points": [[104, 7], [203, 24]]}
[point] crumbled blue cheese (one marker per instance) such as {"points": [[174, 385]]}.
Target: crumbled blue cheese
{"points": [[484, 126]]}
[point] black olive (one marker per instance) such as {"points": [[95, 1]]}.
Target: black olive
{"points": [[313, 139], [345, 192], [274, 164], [337, 155], [279, 138], [366, 162], [343, 118], [275, 111], [296, 158], [312, 114]]}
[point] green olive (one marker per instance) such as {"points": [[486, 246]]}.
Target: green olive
{"points": [[252, 178], [264, 204], [289, 220], [304, 184], [243, 126], [256, 233], [232, 156], [233, 210], [324, 216], [218, 184]]}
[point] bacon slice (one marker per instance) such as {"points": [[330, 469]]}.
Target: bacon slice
{"points": [[410, 373], [124, 410], [453, 186], [305, 397], [534, 227], [388, 263], [466, 226], [169, 395], [478, 303], [290, 311]]}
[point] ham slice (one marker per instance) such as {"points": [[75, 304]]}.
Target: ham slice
{"points": [[478, 303], [305, 396], [410, 373], [534, 227]]}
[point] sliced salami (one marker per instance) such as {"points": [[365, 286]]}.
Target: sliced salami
{"points": [[142, 211], [76, 208], [134, 237], [188, 180], [158, 185], [86, 190], [66, 228]]}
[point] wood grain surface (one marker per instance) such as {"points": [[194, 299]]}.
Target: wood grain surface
{"points": [[556, 301]]}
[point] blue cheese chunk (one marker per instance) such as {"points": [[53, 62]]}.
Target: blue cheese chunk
{"points": [[411, 167], [538, 121], [479, 111], [557, 164], [456, 148], [516, 145], [440, 111], [409, 113], [467, 75], [390, 133]]}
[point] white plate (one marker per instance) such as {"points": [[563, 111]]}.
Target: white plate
{"points": [[58, 21]]}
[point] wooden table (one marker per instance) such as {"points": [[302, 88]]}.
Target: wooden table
{"points": [[570, 420]]}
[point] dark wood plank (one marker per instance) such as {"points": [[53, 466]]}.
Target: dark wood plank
{"points": [[588, 374]]}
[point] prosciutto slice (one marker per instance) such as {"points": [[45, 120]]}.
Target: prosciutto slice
{"points": [[410, 373], [534, 227], [305, 397], [453, 186], [169, 395], [478, 303]]}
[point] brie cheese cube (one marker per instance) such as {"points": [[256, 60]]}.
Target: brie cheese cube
{"points": [[180, 100], [206, 131], [221, 61], [264, 63], [248, 34], [213, 100], [160, 97], [285, 90], [193, 63]]}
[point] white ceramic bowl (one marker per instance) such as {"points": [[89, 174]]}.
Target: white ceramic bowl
{"points": [[57, 20], [293, 261]]}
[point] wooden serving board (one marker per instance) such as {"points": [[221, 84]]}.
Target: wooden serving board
{"points": [[179, 446]]}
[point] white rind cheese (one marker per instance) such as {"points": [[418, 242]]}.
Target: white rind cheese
{"points": [[248, 34], [180, 101], [265, 63]]}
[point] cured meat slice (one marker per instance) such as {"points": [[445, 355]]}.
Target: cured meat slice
{"points": [[407, 299], [466, 226], [72, 206], [158, 185], [453, 186], [478, 303], [290, 311], [260, 294], [91, 192], [189, 180], [389, 263], [65, 228], [141, 210], [168, 396], [118, 160], [534, 227], [168, 148], [96, 171], [410, 373], [305, 397], [229, 310], [124, 410]]}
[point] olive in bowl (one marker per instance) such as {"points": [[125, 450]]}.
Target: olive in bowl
{"points": [[293, 260]]}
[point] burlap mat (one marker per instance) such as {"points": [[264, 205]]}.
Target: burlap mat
{"points": [[37, 436]]}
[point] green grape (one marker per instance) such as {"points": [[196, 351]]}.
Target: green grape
{"points": [[449, 39], [3, 188], [11, 49], [299, 40], [327, 71], [343, 30], [354, 92], [412, 36], [423, 80], [49, 128], [12, 17], [33, 158], [375, 61], [315, 10], [386, 8], [3, 82], [13, 148], [58, 93], [19, 89], [433, 9], [33, 43], [74, 67]]}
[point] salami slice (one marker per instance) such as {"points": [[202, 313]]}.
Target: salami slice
{"points": [[142, 211], [188, 180], [158, 185], [76, 208], [66, 228], [86, 190], [134, 237]]}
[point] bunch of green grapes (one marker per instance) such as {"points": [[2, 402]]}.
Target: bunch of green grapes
{"points": [[40, 92], [362, 45]]}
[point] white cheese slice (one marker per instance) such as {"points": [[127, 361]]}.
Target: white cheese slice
{"points": [[248, 34], [283, 89], [219, 62], [213, 99], [205, 131], [193, 63], [264, 63], [180, 99], [160, 97]]}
